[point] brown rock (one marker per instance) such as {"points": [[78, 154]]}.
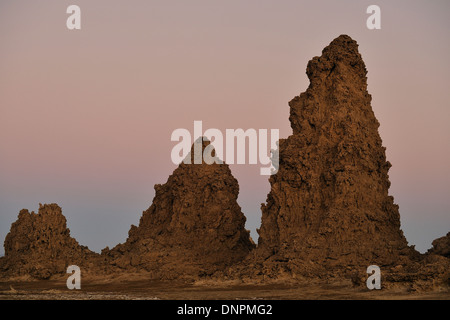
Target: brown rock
{"points": [[39, 245], [194, 226], [328, 214], [329, 203], [441, 246]]}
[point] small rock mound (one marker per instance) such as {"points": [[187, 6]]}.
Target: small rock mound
{"points": [[441, 246], [194, 226], [40, 246]]}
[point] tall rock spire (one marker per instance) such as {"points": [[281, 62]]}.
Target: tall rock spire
{"points": [[329, 202]]}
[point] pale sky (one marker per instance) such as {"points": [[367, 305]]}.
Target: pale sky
{"points": [[86, 115]]}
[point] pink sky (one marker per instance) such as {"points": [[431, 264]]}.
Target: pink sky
{"points": [[86, 116]]}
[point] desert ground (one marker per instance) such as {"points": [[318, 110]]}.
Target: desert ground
{"points": [[156, 290]]}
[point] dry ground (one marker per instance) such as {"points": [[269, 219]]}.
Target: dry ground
{"points": [[206, 290]]}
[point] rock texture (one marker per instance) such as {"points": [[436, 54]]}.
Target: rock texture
{"points": [[194, 226], [328, 214], [329, 204], [40, 246], [441, 246]]}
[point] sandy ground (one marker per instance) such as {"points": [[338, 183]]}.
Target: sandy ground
{"points": [[152, 290]]}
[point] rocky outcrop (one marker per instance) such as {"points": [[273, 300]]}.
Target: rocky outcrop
{"points": [[441, 246], [329, 204], [40, 246], [194, 226], [328, 214]]}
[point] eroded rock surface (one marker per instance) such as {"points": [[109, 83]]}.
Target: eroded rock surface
{"points": [[39, 245], [329, 203], [441, 246], [328, 214], [194, 226]]}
